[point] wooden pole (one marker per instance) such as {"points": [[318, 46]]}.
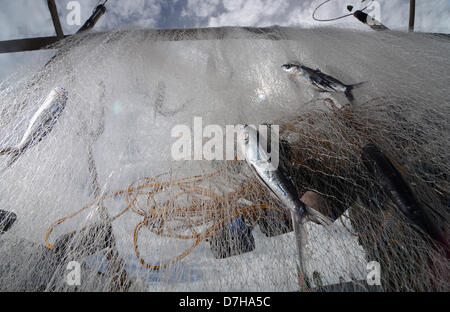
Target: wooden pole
{"points": [[55, 19], [412, 14]]}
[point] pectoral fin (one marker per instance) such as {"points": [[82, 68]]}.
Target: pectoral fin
{"points": [[317, 217]]}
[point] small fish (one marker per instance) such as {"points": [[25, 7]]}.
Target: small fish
{"points": [[320, 80], [279, 185], [40, 124], [273, 177]]}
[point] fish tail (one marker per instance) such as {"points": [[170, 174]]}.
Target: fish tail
{"points": [[354, 86], [349, 95], [349, 89], [14, 156], [6, 151]]}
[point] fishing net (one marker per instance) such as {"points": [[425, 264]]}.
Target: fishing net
{"points": [[102, 188]]}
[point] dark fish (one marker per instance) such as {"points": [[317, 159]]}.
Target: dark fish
{"points": [[320, 80]]}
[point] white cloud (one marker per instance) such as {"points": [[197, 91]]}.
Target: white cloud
{"points": [[120, 13], [139, 13], [232, 5], [265, 12], [24, 19], [251, 13], [431, 16], [30, 18], [200, 8]]}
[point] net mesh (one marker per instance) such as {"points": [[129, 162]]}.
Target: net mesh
{"points": [[102, 188]]}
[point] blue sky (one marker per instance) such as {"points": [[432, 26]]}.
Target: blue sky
{"points": [[30, 18]]}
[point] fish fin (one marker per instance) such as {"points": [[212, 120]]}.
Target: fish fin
{"points": [[317, 217], [354, 86], [349, 95]]}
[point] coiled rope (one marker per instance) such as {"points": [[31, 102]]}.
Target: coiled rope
{"points": [[208, 209], [335, 18]]}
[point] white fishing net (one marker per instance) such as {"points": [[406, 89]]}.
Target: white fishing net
{"points": [[144, 222]]}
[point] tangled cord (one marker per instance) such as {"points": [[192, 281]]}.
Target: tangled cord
{"points": [[204, 218], [336, 18]]}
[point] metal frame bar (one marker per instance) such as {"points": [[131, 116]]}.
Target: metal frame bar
{"points": [[412, 14], [30, 44], [55, 19]]}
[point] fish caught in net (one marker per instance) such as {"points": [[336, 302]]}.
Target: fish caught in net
{"points": [[99, 186]]}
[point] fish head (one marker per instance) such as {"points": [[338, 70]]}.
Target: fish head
{"points": [[247, 139], [60, 96], [54, 104], [253, 146], [291, 68], [61, 92], [244, 136]]}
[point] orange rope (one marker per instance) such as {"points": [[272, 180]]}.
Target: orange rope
{"points": [[208, 209]]}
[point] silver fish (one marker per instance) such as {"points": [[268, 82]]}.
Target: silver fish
{"points": [[40, 124], [320, 80], [254, 149]]}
